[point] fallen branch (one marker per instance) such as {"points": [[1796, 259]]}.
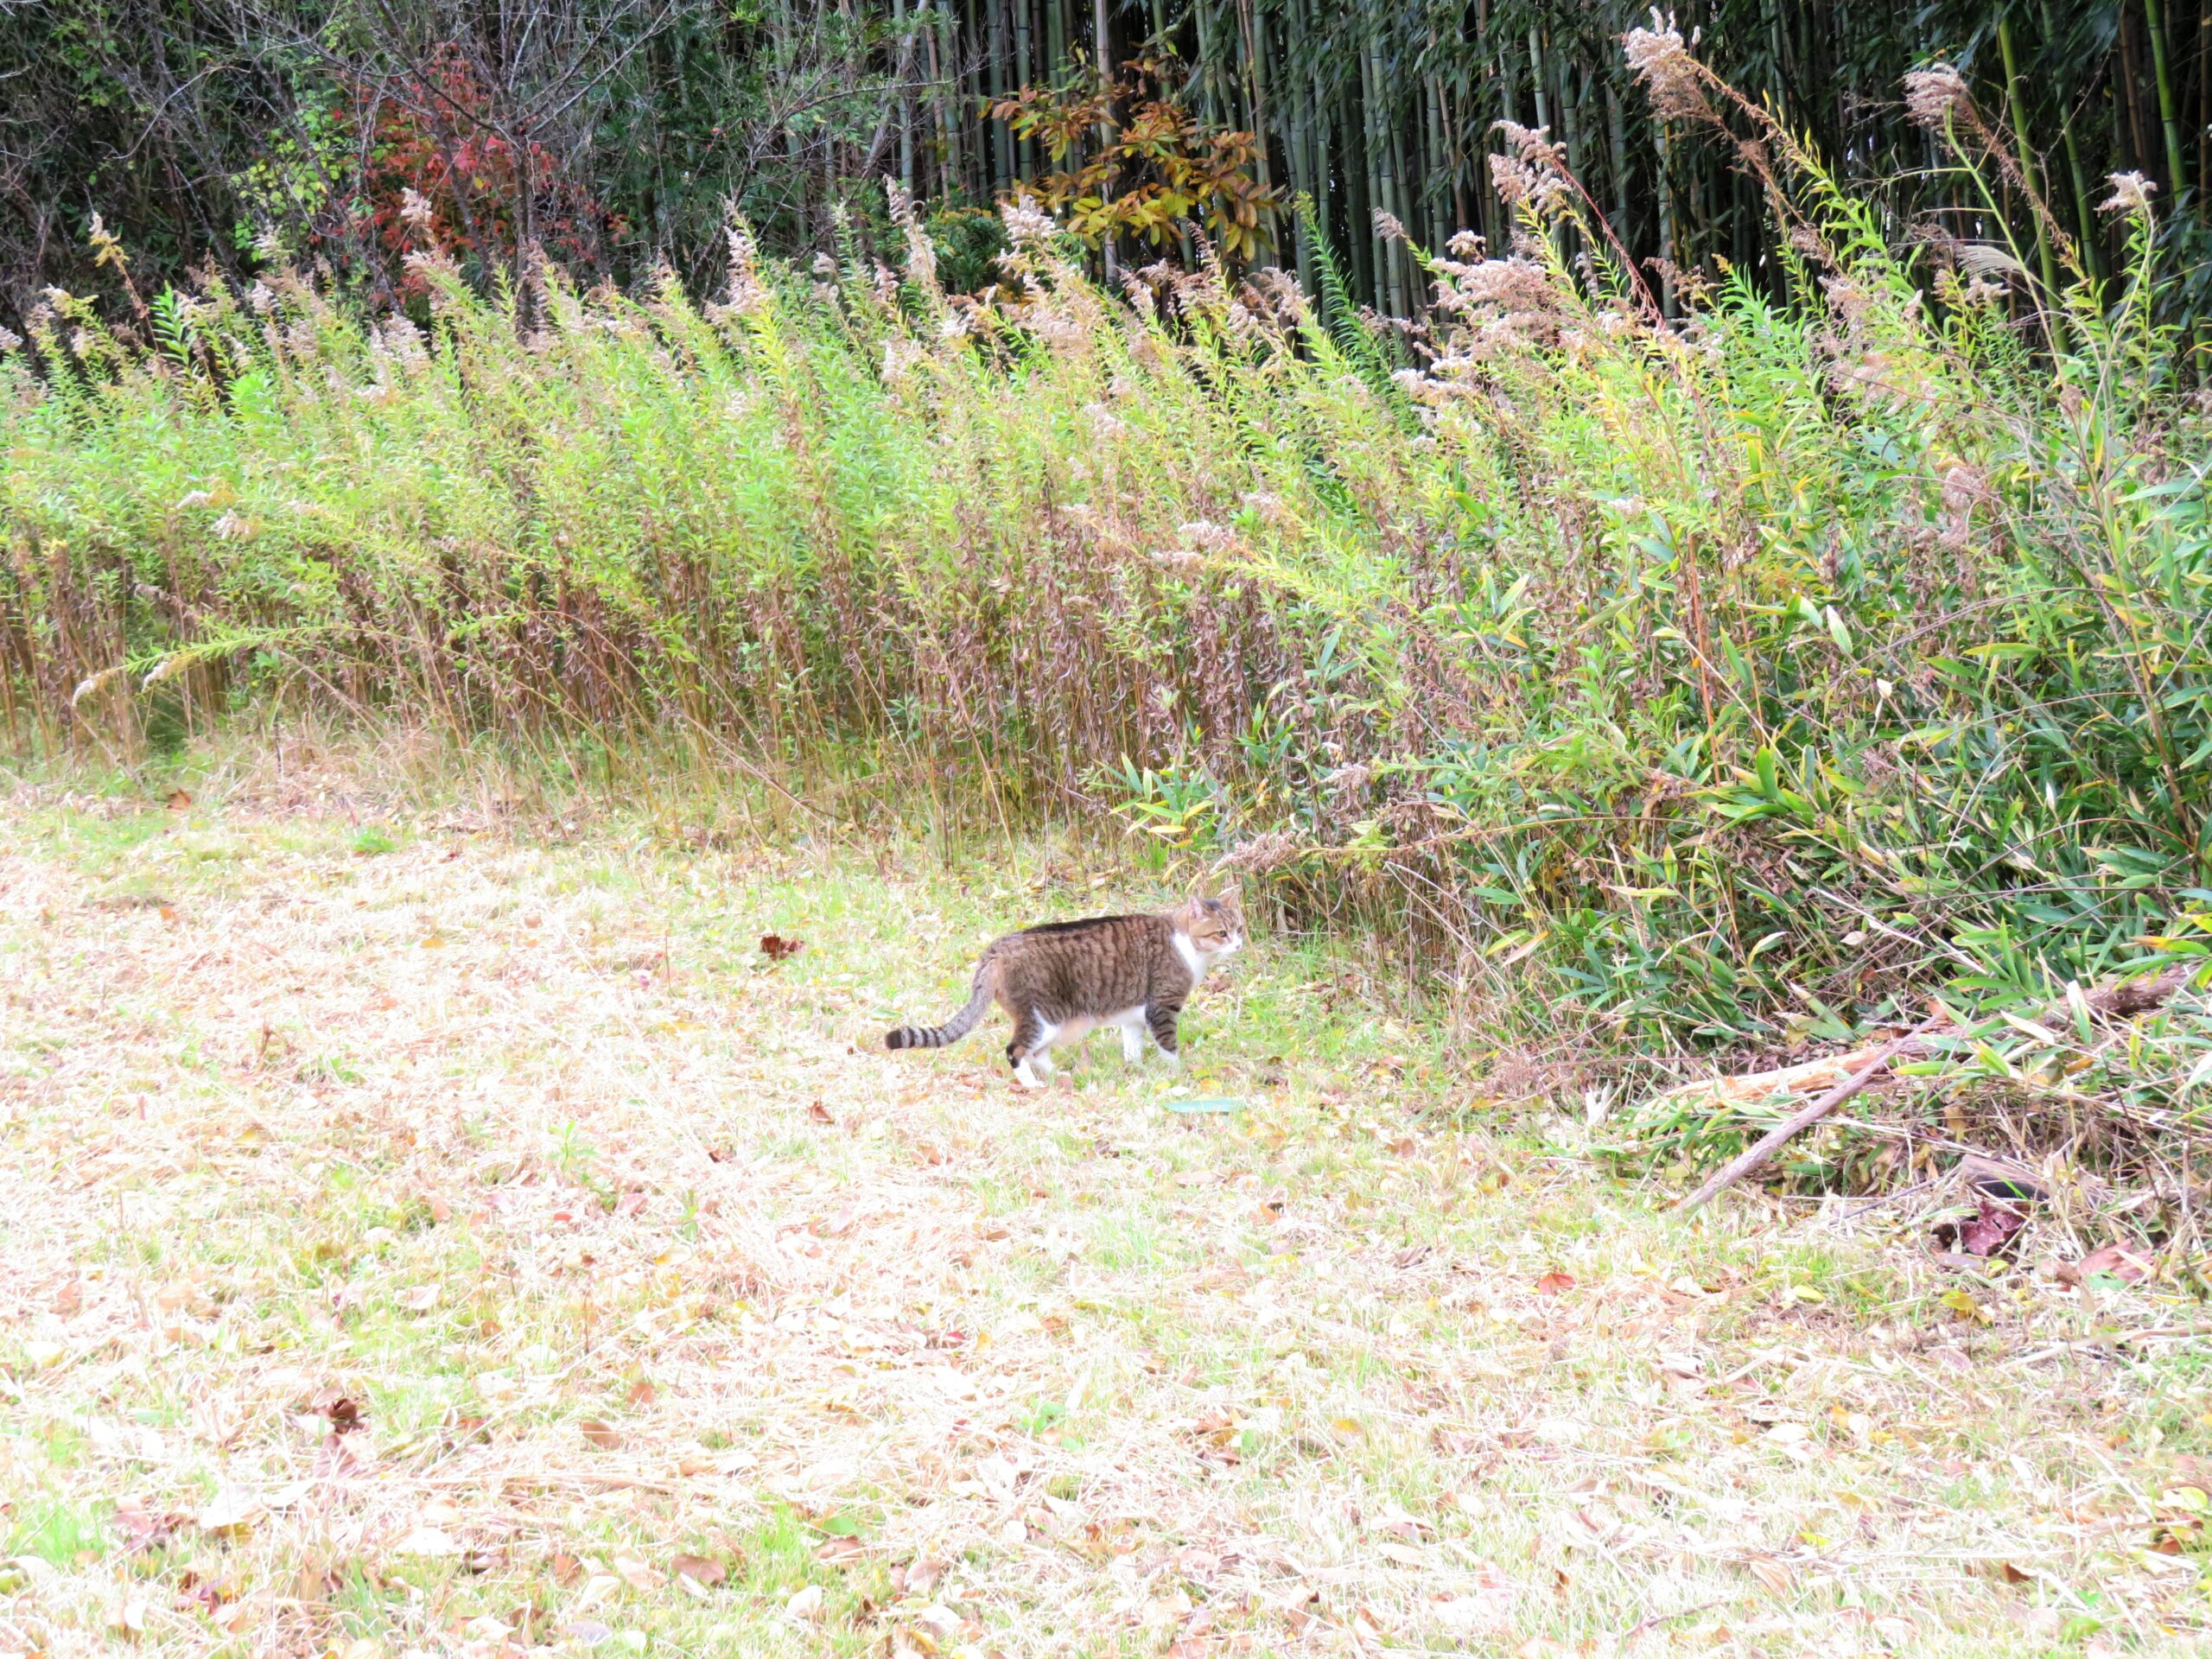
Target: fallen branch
{"points": [[1765, 1146], [1860, 1067]]}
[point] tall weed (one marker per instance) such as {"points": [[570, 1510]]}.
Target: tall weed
{"points": [[1656, 688]]}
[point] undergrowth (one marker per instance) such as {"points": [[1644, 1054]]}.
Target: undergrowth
{"points": [[1659, 689]]}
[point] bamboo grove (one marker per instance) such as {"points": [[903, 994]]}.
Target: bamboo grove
{"points": [[617, 133]]}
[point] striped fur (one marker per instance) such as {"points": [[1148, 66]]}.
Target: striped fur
{"points": [[1062, 981]]}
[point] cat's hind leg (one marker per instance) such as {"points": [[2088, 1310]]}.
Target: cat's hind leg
{"points": [[1031, 1051]]}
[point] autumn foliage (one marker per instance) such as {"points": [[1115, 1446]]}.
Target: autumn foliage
{"points": [[447, 174], [1131, 160]]}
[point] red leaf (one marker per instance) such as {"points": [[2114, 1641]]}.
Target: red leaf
{"points": [[1554, 1283], [1991, 1229]]}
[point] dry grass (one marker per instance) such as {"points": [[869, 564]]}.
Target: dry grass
{"points": [[628, 1247]]}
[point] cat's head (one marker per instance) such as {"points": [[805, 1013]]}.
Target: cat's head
{"points": [[1216, 926]]}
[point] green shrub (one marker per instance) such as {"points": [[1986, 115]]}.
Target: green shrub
{"points": [[1678, 686]]}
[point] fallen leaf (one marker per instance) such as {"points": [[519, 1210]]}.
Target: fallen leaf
{"points": [[921, 1576], [145, 1529], [1772, 1574], [603, 1435], [806, 1605], [130, 1617], [2124, 1264], [639, 1575], [700, 1569], [821, 1114], [420, 1300], [1554, 1283], [232, 1510], [179, 799], [428, 1541], [643, 1393], [1991, 1229], [776, 948], [586, 1632], [2013, 1575], [345, 1413], [566, 1568]]}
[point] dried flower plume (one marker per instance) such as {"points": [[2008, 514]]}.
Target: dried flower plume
{"points": [[2131, 195]]}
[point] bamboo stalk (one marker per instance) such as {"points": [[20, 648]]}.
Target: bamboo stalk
{"points": [[2154, 20], [2016, 102]]}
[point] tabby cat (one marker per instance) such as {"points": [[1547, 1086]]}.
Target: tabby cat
{"points": [[1061, 981]]}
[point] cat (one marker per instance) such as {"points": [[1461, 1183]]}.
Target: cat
{"points": [[1062, 981]]}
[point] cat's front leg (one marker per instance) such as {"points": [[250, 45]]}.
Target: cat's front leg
{"points": [[1160, 1020]]}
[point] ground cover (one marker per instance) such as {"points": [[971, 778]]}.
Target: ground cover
{"points": [[436, 1229]]}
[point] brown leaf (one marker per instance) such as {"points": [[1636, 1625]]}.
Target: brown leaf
{"points": [[145, 1529], [2013, 1575], [776, 948], [1992, 1228], [1554, 1283], [179, 799], [69, 1300], [821, 1114], [700, 1569], [2122, 1263], [836, 1551], [643, 1393], [920, 1577], [566, 1568], [1772, 1574], [346, 1415], [604, 1435]]}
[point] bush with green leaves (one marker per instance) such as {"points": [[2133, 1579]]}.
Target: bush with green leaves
{"points": [[1652, 688]]}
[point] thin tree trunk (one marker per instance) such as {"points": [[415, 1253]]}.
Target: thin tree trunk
{"points": [[2016, 101], [905, 62], [1300, 145], [1254, 42], [1437, 173], [2203, 98], [1408, 291], [994, 74], [2131, 93], [1616, 136], [948, 134], [1209, 70], [1359, 183], [1100, 45], [2154, 19], [2085, 217], [1026, 160]]}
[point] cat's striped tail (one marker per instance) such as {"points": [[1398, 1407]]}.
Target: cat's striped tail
{"points": [[953, 1029]]}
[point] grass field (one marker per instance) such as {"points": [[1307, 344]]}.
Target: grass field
{"points": [[429, 1229]]}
